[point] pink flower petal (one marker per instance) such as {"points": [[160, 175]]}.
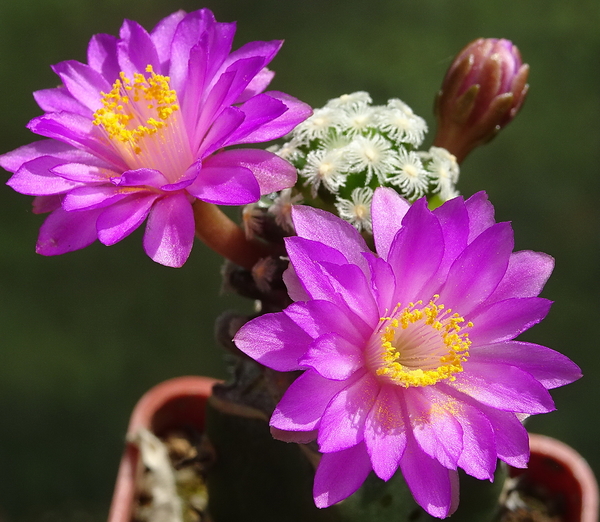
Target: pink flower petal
{"points": [[304, 256], [221, 129], [385, 433], [508, 390], [36, 179], [189, 32], [333, 357], [257, 112], [525, 276], [225, 185], [93, 196], [303, 404], [264, 50], [122, 218], [12, 161], [274, 340], [477, 271], [505, 320], [135, 50], [270, 171], [258, 84], [324, 227], [434, 487], [512, 439], [478, 453], [351, 287], [434, 427], [297, 111], [383, 283], [343, 421], [67, 231], [319, 318], [415, 254], [340, 474], [141, 177], [162, 35], [454, 220], [481, 214], [219, 39], [83, 83], [293, 285], [263, 125], [169, 232], [84, 173], [102, 56], [74, 130], [59, 99], [228, 87], [387, 211], [550, 368]]}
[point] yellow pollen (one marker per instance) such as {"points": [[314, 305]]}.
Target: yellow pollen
{"points": [[125, 119], [421, 345]]}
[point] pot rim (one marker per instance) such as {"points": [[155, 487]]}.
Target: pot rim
{"points": [[187, 394], [565, 471]]}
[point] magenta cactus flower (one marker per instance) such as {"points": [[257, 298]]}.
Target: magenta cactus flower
{"points": [[482, 92], [409, 354], [139, 131]]}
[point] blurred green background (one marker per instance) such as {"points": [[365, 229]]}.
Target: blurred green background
{"points": [[85, 334]]}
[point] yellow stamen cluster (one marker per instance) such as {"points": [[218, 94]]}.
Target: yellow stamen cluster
{"points": [[423, 345], [121, 108]]}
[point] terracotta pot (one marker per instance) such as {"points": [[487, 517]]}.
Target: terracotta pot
{"points": [[169, 405], [564, 477]]}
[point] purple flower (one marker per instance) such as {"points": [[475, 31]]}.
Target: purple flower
{"points": [[139, 132], [409, 354], [482, 92]]}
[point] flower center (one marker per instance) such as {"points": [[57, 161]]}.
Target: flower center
{"points": [[419, 345], [410, 171], [361, 211], [139, 117], [371, 154], [402, 122]]}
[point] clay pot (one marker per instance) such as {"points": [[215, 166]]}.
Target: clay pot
{"points": [[169, 405], [561, 475]]}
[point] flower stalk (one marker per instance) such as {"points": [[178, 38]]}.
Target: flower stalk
{"points": [[225, 237]]}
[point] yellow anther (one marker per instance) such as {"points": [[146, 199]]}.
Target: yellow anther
{"points": [[421, 345], [127, 122]]}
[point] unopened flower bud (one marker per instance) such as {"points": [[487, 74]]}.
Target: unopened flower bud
{"points": [[483, 90]]}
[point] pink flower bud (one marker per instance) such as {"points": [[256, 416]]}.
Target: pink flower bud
{"points": [[483, 90]]}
